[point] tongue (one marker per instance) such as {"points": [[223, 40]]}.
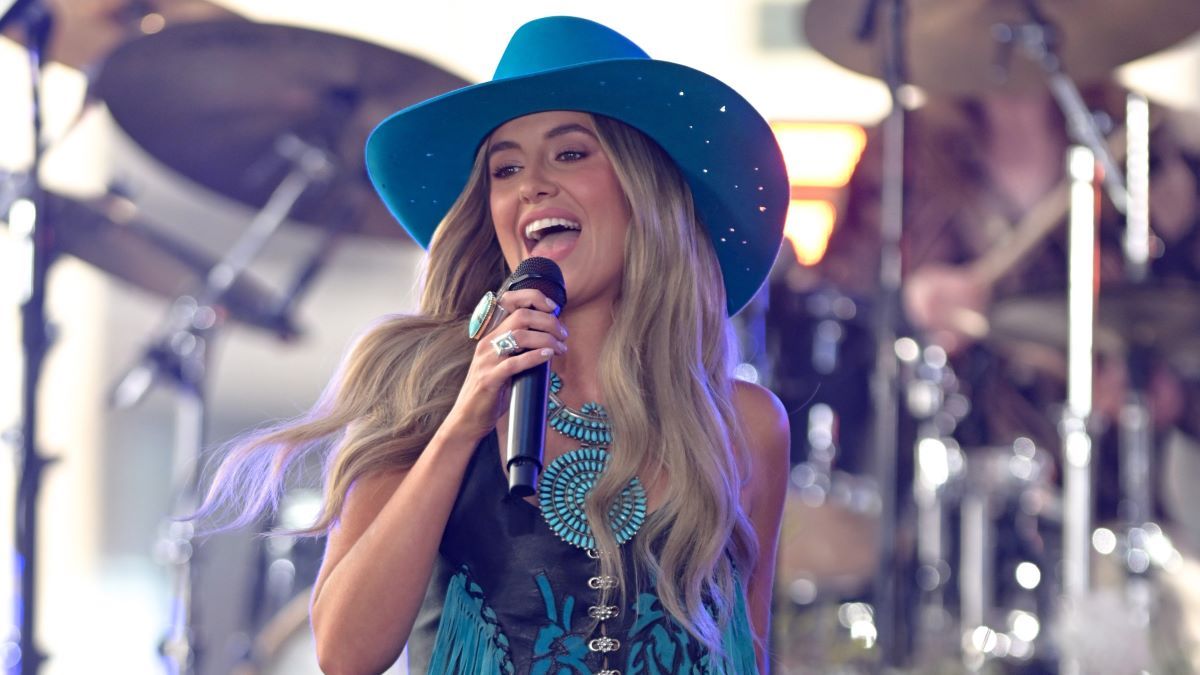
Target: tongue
{"points": [[557, 244]]}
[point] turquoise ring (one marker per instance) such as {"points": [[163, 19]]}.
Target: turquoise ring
{"points": [[481, 318], [506, 345]]}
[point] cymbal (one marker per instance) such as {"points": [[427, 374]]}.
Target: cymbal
{"points": [[106, 232], [85, 31], [951, 48], [1163, 317], [211, 100]]}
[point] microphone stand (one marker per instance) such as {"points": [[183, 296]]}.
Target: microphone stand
{"points": [[24, 657]]}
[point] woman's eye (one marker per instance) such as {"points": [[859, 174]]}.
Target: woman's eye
{"points": [[505, 170], [571, 155]]}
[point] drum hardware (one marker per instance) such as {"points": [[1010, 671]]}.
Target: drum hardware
{"points": [[948, 39], [329, 90], [29, 221], [939, 65], [1157, 316], [282, 642], [889, 619], [85, 31], [108, 233], [1006, 584], [51, 225], [272, 112], [180, 353], [1073, 429], [289, 561], [932, 398], [1038, 38]]}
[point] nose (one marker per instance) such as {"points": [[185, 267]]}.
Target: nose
{"points": [[536, 185]]}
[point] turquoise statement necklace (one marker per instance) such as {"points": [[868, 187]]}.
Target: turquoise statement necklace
{"points": [[564, 484], [563, 489]]}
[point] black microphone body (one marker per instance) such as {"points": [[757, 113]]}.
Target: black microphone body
{"points": [[530, 389], [527, 429]]}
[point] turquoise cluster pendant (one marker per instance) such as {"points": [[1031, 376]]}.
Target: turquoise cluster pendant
{"points": [[563, 488]]}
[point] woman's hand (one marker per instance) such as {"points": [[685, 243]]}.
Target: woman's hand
{"points": [[533, 320]]}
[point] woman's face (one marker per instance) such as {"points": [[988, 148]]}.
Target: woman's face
{"points": [[553, 193]]}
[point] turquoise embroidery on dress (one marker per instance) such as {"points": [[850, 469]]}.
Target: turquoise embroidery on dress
{"points": [[658, 645], [469, 638], [556, 650], [738, 638]]}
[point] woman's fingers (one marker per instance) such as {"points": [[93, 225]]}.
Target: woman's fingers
{"points": [[527, 340], [527, 297], [530, 319]]}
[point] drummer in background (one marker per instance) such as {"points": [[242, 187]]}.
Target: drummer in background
{"points": [[975, 167]]}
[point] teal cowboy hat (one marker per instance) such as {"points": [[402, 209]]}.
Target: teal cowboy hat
{"points": [[420, 158]]}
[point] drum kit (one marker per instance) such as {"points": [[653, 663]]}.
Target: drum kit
{"points": [[904, 550], [273, 117]]}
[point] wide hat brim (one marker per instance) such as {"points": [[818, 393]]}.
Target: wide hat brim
{"points": [[420, 158]]}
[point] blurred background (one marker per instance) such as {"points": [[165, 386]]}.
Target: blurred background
{"points": [[169, 124]]}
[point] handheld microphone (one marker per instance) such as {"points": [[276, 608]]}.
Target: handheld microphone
{"points": [[530, 388]]}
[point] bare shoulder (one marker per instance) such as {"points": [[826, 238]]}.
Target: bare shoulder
{"points": [[764, 421], [767, 434]]}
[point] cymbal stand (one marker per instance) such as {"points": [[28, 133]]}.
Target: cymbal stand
{"points": [[1136, 431], [181, 351], [1076, 441], [885, 377], [1038, 39], [1136, 437], [29, 221]]}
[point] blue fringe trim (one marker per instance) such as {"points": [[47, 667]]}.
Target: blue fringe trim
{"points": [[738, 640], [469, 638]]}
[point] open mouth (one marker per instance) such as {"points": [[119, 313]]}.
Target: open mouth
{"points": [[547, 235]]}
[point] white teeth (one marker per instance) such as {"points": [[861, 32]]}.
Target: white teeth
{"points": [[534, 230]]}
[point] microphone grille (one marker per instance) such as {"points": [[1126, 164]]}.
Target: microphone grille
{"points": [[542, 274]]}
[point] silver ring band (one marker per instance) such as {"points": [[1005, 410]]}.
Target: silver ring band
{"points": [[505, 344]]}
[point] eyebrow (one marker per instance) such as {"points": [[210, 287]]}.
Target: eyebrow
{"points": [[559, 130]]}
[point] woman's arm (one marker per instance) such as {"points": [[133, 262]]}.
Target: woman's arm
{"points": [[379, 557], [380, 553], [765, 425]]}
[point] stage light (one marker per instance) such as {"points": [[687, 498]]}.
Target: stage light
{"points": [[820, 158], [820, 154], [807, 227]]}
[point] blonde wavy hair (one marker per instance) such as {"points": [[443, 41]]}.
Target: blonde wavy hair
{"points": [[665, 374]]}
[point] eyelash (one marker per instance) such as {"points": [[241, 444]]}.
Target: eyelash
{"points": [[506, 170]]}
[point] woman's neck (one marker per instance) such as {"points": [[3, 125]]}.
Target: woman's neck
{"points": [[588, 328]]}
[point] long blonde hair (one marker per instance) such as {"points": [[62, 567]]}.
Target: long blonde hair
{"points": [[665, 374]]}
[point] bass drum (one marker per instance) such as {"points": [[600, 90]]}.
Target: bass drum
{"points": [[285, 645]]}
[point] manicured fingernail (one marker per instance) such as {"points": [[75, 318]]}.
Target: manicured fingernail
{"points": [[551, 305], [547, 352]]}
